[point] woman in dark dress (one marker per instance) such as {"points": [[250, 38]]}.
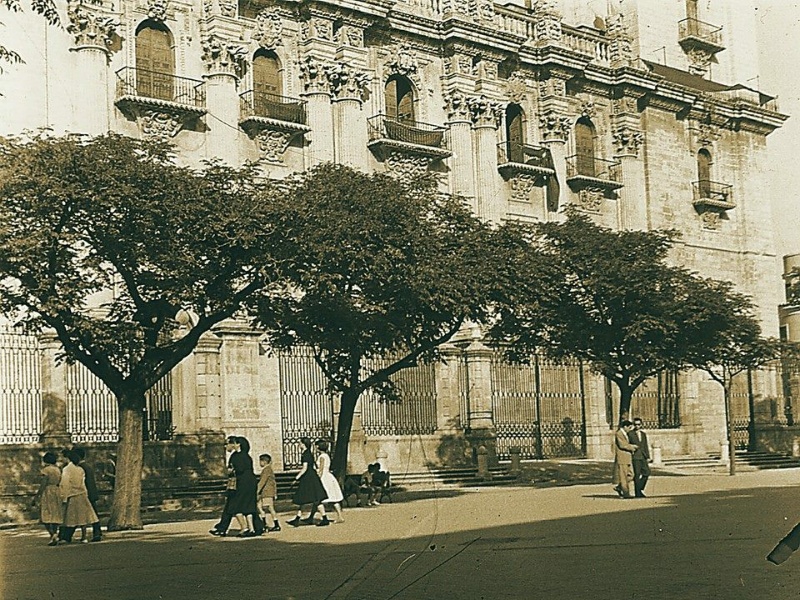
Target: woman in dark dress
{"points": [[242, 503], [309, 487]]}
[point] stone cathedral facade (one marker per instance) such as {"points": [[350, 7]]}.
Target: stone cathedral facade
{"points": [[643, 114]]}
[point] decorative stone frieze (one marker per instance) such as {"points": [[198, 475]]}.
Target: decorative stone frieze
{"points": [[269, 29], [456, 106], [313, 76], [588, 109], [627, 141], [627, 105], [402, 61], [222, 56], [272, 144], [484, 112], [157, 9], [521, 185], [317, 27], [704, 134], [590, 199], [454, 7], [552, 87], [547, 22], [710, 219], [554, 127], [348, 83], [405, 165], [351, 35], [90, 27], [160, 125], [517, 87], [699, 60]]}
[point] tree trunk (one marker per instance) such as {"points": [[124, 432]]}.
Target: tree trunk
{"points": [[126, 507], [729, 421], [625, 397], [348, 409]]}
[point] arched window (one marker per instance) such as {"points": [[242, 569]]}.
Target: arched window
{"points": [[155, 61], [267, 84], [515, 133], [704, 173], [399, 95], [584, 147]]}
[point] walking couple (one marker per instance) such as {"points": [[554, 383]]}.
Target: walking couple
{"points": [[631, 458], [316, 486]]}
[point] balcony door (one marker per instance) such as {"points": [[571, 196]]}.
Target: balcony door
{"points": [[267, 83], [515, 133], [584, 147], [155, 61], [704, 173], [399, 98]]}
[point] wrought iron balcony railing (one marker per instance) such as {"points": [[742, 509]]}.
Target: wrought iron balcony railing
{"points": [[585, 166], [141, 83], [525, 154], [382, 127], [713, 193], [272, 106], [692, 29]]}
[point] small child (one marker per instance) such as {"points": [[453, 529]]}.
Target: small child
{"points": [[267, 491]]}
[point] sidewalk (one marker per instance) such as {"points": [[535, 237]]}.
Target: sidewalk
{"points": [[693, 537]]}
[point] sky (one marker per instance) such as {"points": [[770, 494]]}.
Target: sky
{"points": [[779, 58]]}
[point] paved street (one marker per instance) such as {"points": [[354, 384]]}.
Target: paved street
{"points": [[694, 537]]}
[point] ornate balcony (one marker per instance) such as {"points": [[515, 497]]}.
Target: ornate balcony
{"points": [[589, 171], [712, 195], [161, 103], [694, 34], [273, 121], [514, 158], [389, 134]]}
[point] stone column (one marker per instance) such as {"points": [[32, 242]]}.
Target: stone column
{"points": [[598, 431], [555, 128], [632, 204], [462, 180], [349, 87], [320, 116], [54, 393], [199, 375], [93, 31], [481, 423], [486, 115], [224, 61]]}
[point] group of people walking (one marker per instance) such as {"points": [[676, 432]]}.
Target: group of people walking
{"points": [[251, 500], [631, 459], [67, 498]]}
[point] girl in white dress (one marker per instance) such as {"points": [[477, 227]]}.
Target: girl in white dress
{"points": [[329, 482]]}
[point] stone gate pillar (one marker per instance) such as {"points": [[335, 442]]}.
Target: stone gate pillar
{"points": [[54, 392], [481, 423]]}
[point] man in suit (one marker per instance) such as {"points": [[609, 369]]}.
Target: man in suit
{"points": [[641, 457], [623, 460]]}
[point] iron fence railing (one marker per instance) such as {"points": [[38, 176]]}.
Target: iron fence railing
{"points": [[142, 83], [272, 106], [657, 402], [693, 28], [712, 190], [20, 387], [514, 152], [585, 165], [407, 131]]}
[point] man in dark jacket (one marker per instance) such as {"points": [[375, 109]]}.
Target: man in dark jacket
{"points": [[641, 457], [91, 488]]}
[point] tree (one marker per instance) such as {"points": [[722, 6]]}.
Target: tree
{"points": [[726, 341], [106, 241], [382, 270], [606, 297]]}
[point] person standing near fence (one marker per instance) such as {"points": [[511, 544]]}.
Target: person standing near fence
{"points": [[78, 511], [50, 509], [309, 488], [243, 502], [332, 488], [267, 492], [91, 489], [221, 528], [641, 457], [623, 460]]}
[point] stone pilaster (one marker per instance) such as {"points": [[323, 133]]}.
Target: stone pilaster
{"points": [[632, 205], [224, 61], [486, 115], [547, 22], [94, 30], [320, 115], [349, 87], [458, 118], [481, 422], [199, 377], [554, 130], [54, 392], [620, 48]]}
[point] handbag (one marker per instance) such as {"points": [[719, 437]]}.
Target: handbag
{"points": [[230, 485]]}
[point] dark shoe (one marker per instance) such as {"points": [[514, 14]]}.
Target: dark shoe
{"points": [[52, 543], [97, 539], [247, 533], [275, 527], [619, 491], [217, 532], [307, 521], [641, 495], [294, 522], [324, 521]]}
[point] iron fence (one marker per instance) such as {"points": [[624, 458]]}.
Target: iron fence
{"points": [[528, 154], [693, 28], [160, 86], [20, 387], [741, 407], [407, 131], [273, 106], [657, 401], [712, 190], [586, 165]]}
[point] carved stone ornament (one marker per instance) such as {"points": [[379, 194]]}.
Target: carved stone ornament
{"points": [[699, 60], [454, 6], [625, 105], [406, 166], [516, 87], [352, 36], [591, 199], [403, 61], [627, 141], [456, 106], [619, 47], [705, 134], [222, 56], [227, 8], [269, 29], [317, 27], [547, 21], [347, 82], [482, 9], [89, 27], [521, 186], [485, 112], [157, 9], [588, 109], [710, 219], [313, 75], [272, 144], [546, 7], [554, 127], [159, 125]]}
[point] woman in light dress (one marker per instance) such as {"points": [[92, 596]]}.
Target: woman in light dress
{"points": [[50, 510], [329, 482], [78, 511]]}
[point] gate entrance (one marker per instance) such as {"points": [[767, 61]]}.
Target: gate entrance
{"points": [[742, 410]]}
